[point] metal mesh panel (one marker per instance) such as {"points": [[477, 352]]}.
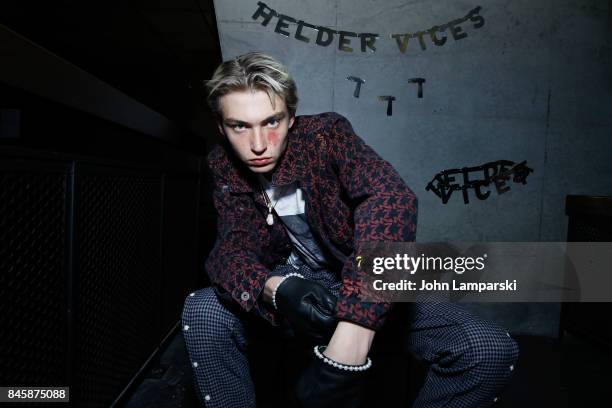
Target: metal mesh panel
{"points": [[118, 262], [180, 247], [33, 318]]}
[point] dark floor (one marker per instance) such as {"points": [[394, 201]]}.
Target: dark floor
{"points": [[570, 373]]}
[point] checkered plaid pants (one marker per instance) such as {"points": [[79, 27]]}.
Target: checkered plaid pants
{"points": [[470, 359]]}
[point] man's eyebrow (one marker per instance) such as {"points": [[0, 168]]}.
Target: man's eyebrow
{"points": [[232, 120], [277, 116]]}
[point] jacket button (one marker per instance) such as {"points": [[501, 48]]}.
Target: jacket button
{"points": [[245, 296]]}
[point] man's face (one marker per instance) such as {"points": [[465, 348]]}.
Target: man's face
{"points": [[256, 130]]}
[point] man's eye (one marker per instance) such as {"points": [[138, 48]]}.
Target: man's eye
{"points": [[238, 128], [273, 123]]}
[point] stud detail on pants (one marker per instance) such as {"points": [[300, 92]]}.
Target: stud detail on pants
{"points": [[495, 399], [245, 296], [195, 363], [507, 334], [207, 397], [192, 294], [186, 327], [511, 367]]}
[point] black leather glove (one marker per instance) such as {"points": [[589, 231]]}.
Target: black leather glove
{"points": [[308, 307], [325, 386]]}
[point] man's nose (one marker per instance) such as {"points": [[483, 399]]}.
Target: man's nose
{"points": [[258, 141]]}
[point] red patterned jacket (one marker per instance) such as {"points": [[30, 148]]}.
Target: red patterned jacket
{"points": [[351, 196]]}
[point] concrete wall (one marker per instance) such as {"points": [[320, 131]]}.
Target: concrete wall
{"points": [[533, 83]]}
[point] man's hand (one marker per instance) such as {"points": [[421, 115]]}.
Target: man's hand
{"points": [[271, 284], [308, 306], [323, 385], [350, 343]]}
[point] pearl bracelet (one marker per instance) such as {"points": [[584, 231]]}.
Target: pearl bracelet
{"points": [[336, 364], [280, 282]]}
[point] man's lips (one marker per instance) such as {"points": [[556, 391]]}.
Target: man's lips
{"points": [[260, 162]]}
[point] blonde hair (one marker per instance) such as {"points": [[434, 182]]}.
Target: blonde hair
{"points": [[252, 71]]}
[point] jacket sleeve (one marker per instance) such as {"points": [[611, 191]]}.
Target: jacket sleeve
{"points": [[385, 211], [234, 265]]}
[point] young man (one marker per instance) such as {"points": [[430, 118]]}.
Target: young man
{"points": [[297, 198]]}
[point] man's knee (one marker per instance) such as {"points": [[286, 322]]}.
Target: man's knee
{"points": [[203, 315], [492, 350]]}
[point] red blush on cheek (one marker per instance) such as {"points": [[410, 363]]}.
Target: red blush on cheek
{"points": [[273, 138]]}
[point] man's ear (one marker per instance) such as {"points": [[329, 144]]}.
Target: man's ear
{"points": [[291, 120]]}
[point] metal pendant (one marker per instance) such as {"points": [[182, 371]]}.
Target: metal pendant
{"points": [[270, 219]]}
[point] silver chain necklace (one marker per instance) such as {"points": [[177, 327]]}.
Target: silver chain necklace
{"points": [[270, 217]]}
